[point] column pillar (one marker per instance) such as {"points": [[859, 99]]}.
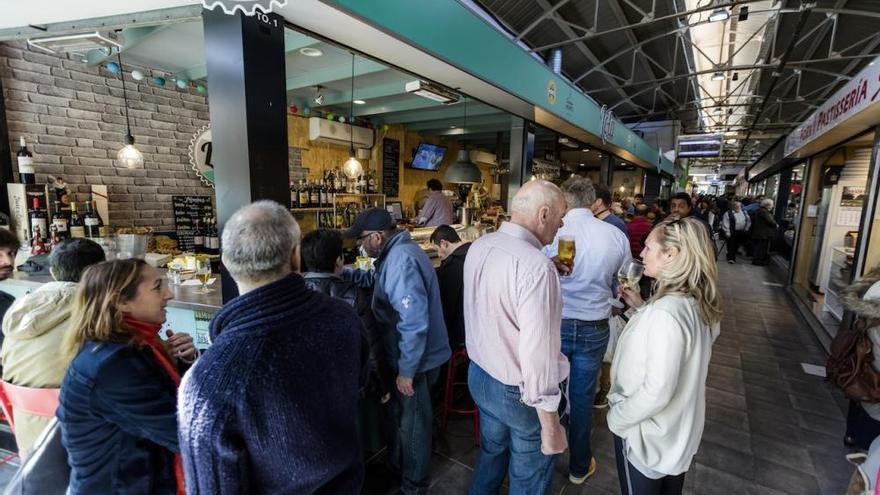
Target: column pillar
{"points": [[248, 107], [522, 151]]}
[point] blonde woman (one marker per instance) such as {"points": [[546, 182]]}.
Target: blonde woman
{"points": [[658, 390], [118, 398]]}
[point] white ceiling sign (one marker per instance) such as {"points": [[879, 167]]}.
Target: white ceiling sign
{"points": [[861, 92]]}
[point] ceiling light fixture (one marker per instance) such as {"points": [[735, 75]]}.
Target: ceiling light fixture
{"points": [[311, 52], [463, 171], [718, 76], [359, 102], [432, 91], [352, 168], [719, 15], [128, 156]]}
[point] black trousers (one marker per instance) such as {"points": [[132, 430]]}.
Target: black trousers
{"points": [[761, 251], [734, 242], [632, 482]]}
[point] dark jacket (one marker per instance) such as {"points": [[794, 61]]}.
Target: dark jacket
{"points": [[639, 228], [271, 406], [118, 423], [450, 276], [763, 225], [380, 374], [406, 302]]}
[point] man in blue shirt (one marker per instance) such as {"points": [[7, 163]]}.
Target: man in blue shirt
{"points": [[600, 251], [407, 304], [601, 208]]}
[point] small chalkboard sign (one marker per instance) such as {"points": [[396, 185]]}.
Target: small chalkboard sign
{"points": [[187, 211], [390, 167]]}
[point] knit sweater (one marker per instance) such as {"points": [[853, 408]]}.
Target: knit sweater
{"points": [[271, 406]]}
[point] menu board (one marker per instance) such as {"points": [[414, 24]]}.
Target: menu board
{"points": [[188, 210], [390, 167]]}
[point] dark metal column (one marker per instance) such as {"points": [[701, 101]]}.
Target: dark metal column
{"points": [[247, 102], [522, 151]]}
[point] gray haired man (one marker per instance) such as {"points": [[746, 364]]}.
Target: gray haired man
{"points": [[271, 406]]}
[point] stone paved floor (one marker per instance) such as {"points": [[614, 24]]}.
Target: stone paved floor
{"points": [[770, 428]]}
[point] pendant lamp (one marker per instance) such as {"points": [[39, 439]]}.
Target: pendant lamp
{"points": [[352, 167], [128, 156], [463, 171]]}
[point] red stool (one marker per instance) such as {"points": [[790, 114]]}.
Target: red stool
{"points": [[458, 357]]}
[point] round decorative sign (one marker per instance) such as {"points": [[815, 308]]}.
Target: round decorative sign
{"points": [[200, 151]]}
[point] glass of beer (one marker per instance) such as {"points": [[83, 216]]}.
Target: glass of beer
{"points": [[567, 251], [628, 276], [203, 274]]}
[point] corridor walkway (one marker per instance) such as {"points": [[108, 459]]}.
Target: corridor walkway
{"points": [[770, 429]]}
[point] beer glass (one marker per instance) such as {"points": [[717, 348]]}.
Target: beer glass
{"points": [[567, 251]]}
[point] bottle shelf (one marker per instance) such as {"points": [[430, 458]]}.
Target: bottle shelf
{"points": [[311, 210]]}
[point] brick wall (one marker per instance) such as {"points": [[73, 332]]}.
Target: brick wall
{"points": [[72, 117]]}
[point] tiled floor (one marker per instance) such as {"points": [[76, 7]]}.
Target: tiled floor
{"points": [[770, 428]]}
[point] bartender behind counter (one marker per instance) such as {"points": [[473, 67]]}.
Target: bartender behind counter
{"points": [[438, 208]]}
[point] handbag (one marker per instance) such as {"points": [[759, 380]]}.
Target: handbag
{"points": [[46, 471], [850, 363]]}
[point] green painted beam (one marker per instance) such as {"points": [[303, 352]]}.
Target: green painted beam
{"points": [[452, 35], [307, 79], [495, 120], [430, 111]]}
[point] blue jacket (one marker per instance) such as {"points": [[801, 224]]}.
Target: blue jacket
{"points": [[271, 406], [406, 301], [118, 423]]}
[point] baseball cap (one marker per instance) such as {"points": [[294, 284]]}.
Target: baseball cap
{"points": [[370, 219]]}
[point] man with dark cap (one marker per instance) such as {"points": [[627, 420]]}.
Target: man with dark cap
{"points": [[9, 245], [407, 304]]}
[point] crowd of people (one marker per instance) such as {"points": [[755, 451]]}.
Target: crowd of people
{"points": [[272, 406]]}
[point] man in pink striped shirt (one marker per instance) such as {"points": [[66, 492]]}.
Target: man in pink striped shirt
{"points": [[512, 311]]}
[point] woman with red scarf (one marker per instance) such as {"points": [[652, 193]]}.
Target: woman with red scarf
{"points": [[118, 399]]}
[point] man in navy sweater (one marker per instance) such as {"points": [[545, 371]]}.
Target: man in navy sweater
{"points": [[271, 406]]}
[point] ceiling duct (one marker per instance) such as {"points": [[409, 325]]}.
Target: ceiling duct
{"points": [[78, 43]]}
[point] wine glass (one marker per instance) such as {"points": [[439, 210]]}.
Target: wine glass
{"points": [[628, 277], [203, 274]]}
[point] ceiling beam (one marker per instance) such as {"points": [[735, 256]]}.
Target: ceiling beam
{"points": [[362, 67], [424, 110], [457, 121]]}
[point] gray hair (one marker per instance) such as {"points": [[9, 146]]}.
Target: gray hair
{"points": [[579, 192], [258, 242], [767, 203]]}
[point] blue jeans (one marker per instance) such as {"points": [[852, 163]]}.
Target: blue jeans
{"points": [[510, 440], [412, 419], [584, 343]]}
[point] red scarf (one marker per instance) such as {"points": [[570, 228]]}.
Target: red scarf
{"points": [[149, 334]]}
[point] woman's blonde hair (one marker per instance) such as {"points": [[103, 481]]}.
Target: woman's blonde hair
{"points": [[95, 305], [693, 271]]}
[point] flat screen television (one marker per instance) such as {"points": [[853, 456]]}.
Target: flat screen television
{"points": [[428, 157]]}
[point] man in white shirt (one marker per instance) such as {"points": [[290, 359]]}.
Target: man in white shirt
{"points": [[600, 250], [736, 224]]}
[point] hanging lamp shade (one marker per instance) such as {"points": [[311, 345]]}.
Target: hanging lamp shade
{"points": [[128, 156], [463, 171], [352, 168]]}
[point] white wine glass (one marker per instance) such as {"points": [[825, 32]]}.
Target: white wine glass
{"points": [[628, 276], [203, 274]]}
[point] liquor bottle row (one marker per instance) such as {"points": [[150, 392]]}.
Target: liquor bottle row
{"points": [[47, 232], [321, 193], [206, 237]]}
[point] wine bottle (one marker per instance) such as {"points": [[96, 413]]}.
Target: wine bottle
{"points": [[303, 195], [294, 195], [198, 239], [91, 221], [314, 196], [38, 219], [37, 245], [371, 182], [213, 237], [26, 165], [103, 228], [77, 228], [59, 221], [324, 194]]}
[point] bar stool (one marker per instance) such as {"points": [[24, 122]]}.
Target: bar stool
{"points": [[448, 407]]}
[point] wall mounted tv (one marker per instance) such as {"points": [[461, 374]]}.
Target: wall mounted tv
{"points": [[428, 157]]}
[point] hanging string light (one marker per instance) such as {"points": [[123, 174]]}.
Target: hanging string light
{"points": [[128, 156], [352, 167]]}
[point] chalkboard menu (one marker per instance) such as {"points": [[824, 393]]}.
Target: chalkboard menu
{"points": [[390, 167], [188, 210]]}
